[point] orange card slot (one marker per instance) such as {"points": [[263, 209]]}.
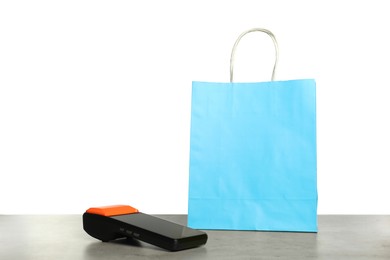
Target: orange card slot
{"points": [[112, 210]]}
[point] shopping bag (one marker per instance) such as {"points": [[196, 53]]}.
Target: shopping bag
{"points": [[253, 155]]}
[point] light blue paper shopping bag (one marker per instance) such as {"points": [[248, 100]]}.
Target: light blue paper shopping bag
{"points": [[253, 155]]}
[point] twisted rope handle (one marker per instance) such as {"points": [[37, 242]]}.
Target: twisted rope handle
{"points": [[238, 40]]}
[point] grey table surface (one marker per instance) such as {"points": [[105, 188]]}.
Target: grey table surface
{"points": [[62, 237]]}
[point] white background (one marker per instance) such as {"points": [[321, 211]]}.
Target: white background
{"points": [[95, 96]]}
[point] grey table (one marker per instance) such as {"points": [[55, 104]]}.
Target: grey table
{"points": [[57, 237]]}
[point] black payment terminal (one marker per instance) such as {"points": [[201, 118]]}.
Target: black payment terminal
{"points": [[121, 221]]}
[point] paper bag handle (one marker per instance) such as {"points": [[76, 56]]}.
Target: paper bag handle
{"points": [[238, 40]]}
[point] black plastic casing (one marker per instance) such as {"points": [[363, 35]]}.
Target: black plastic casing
{"points": [[147, 228]]}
